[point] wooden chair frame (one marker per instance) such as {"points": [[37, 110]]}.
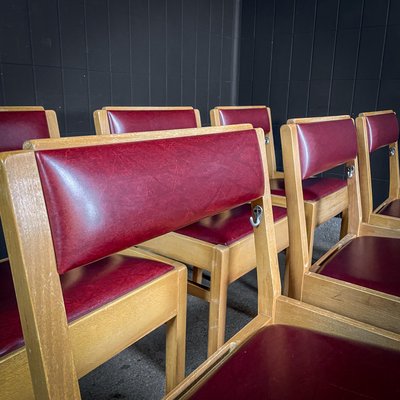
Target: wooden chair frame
{"points": [[362, 304], [51, 117], [273, 308], [317, 212], [81, 346], [102, 125], [226, 264], [15, 377], [370, 215]]}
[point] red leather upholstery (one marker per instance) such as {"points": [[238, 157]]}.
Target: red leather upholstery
{"points": [[324, 145], [382, 130], [150, 120], [368, 261], [313, 188], [258, 117], [227, 227], [392, 209], [85, 289], [18, 126], [192, 178], [284, 362]]}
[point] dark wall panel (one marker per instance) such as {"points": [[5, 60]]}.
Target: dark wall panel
{"points": [[75, 56], [321, 57]]}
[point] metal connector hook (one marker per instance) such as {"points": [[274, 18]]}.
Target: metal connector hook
{"points": [[350, 171], [255, 219], [267, 139], [392, 151]]}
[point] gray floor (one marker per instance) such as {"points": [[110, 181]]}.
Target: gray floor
{"points": [[138, 372]]}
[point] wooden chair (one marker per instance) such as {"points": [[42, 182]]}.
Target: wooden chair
{"points": [[324, 197], [293, 350], [113, 120], [17, 124], [66, 214], [376, 130], [222, 244], [359, 277]]}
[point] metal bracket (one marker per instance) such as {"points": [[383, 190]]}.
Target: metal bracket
{"points": [[350, 171], [255, 219], [267, 139], [392, 151]]}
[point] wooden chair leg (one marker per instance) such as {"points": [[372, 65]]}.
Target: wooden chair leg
{"points": [[310, 213], [218, 299], [286, 278], [197, 275], [345, 223], [176, 337]]}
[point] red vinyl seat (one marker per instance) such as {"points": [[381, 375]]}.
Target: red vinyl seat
{"points": [[285, 362], [314, 189], [368, 261], [84, 289], [392, 209], [228, 227]]}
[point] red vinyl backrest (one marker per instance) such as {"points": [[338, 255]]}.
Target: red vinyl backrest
{"points": [[324, 145], [126, 121], [16, 127], [258, 117], [382, 130], [102, 199]]}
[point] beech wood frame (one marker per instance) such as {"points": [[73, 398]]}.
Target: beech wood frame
{"points": [[369, 214], [306, 284], [15, 377], [79, 346]]}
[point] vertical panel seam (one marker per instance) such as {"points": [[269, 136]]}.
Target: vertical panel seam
{"points": [[209, 60], [62, 67], [32, 58], [130, 51], [290, 60], [353, 91], [311, 58], [333, 59], [87, 62], [383, 56], [271, 55], [109, 52], [222, 50], [149, 37]]}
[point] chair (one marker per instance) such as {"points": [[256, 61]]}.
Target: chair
{"points": [[113, 120], [324, 197], [17, 124], [68, 215], [293, 350], [376, 130], [221, 244], [359, 277]]}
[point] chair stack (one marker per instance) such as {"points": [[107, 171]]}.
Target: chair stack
{"points": [[100, 231]]}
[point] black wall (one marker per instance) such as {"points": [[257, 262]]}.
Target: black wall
{"points": [[322, 57], [300, 57], [75, 56]]}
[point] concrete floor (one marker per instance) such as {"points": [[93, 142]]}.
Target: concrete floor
{"points": [[138, 372]]}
